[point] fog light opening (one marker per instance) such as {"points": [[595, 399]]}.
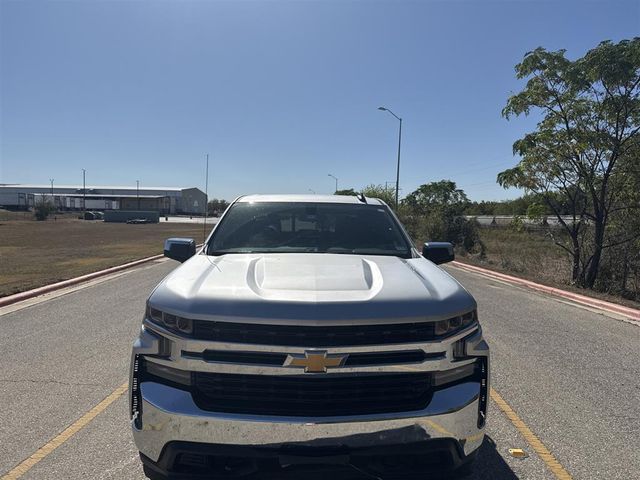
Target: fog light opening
{"points": [[483, 398], [136, 399]]}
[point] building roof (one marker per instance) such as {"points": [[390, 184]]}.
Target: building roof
{"points": [[98, 195], [308, 199], [92, 187]]}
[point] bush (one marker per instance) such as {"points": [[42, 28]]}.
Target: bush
{"points": [[42, 209], [517, 224], [462, 233]]}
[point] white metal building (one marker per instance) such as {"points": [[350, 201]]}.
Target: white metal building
{"points": [[71, 197]]}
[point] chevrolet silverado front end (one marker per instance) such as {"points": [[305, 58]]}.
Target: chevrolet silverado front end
{"points": [[306, 333]]}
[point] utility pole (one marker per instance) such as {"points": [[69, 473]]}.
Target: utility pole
{"points": [[84, 194], [206, 200], [138, 193]]}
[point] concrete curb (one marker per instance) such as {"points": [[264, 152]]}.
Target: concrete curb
{"points": [[631, 313], [18, 297]]}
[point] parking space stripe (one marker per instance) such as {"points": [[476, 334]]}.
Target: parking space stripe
{"points": [[543, 452], [19, 470]]}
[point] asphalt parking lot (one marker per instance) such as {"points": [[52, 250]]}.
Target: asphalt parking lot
{"points": [[565, 374]]}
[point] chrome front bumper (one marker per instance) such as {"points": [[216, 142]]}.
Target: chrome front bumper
{"points": [[170, 415]]}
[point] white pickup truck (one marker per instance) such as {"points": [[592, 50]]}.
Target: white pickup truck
{"points": [[308, 335]]}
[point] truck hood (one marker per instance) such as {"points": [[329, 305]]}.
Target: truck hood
{"points": [[315, 288]]}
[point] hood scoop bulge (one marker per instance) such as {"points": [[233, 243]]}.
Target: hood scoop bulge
{"points": [[320, 278]]}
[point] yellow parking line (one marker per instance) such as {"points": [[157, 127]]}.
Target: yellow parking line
{"points": [[542, 451], [69, 432]]}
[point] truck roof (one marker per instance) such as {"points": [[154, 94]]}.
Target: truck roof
{"points": [[302, 198]]}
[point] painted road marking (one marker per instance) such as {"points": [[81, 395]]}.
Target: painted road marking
{"points": [[543, 452], [69, 432]]}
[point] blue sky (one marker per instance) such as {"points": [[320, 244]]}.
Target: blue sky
{"points": [[278, 93]]}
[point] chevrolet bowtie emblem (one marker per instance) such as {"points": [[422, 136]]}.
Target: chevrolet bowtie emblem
{"points": [[315, 361]]}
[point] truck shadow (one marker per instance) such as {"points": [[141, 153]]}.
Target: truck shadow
{"points": [[488, 466]]}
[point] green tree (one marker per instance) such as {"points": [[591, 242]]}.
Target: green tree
{"points": [[434, 212], [347, 191], [386, 194], [443, 195], [590, 120], [216, 207], [620, 272], [535, 211]]}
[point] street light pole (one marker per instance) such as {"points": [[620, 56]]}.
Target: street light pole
{"points": [[138, 193], [84, 194], [206, 200], [399, 144], [336, 179]]}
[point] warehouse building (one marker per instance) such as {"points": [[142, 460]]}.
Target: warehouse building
{"points": [[164, 200]]}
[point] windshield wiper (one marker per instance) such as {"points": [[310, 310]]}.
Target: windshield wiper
{"points": [[229, 252], [364, 251], [264, 250]]}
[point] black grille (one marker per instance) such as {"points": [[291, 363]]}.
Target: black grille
{"points": [[327, 336], [310, 395]]}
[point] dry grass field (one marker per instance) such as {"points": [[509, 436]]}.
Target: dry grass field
{"points": [[534, 256], [34, 253]]}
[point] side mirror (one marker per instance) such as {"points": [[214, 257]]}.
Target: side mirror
{"points": [[180, 249], [438, 252]]}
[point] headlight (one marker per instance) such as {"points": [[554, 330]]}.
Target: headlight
{"points": [[171, 322], [451, 325]]}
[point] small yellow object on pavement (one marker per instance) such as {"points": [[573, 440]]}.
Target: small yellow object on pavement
{"points": [[518, 453]]}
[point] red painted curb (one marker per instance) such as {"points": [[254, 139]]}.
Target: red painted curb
{"points": [[18, 297], [631, 313]]}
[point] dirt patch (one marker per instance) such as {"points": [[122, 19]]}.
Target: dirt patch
{"points": [[33, 254]]}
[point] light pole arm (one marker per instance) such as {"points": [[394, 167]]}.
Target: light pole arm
{"points": [[397, 117], [336, 179]]}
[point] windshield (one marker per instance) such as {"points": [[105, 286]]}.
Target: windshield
{"points": [[277, 227]]}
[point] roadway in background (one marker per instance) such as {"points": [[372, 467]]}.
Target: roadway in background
{"points": [[187, 219], [570, 373]]}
